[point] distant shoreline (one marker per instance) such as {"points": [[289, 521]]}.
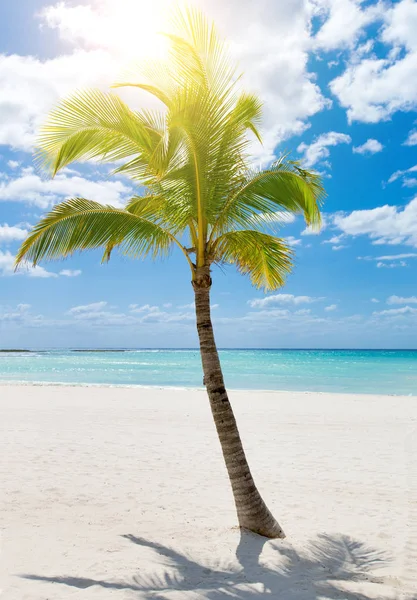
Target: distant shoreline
{"points": [[68, 349]]}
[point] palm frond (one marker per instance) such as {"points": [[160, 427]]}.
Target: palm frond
{"points": [[284, 187], [80, 224], [265, 258], [91, 124], [191, 157]]}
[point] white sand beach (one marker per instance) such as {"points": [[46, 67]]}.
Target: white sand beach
{"points": [[122, 493]]}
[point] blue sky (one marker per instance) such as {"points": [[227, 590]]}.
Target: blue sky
{"points": [[339, 83]]}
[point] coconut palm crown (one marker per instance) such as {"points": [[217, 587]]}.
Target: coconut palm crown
{"points": [[196, 191]]}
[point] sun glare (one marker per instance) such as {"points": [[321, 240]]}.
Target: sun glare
{"points": [[131, 27]]}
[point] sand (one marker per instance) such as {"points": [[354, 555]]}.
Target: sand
{"points": [[122, 494]]}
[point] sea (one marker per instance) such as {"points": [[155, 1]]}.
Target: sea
{"points": [[349, 371]]}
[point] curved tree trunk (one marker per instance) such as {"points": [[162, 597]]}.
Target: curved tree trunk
{"points": [[252, 511]]}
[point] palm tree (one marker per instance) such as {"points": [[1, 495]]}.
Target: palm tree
{"points": [[198, 193]]}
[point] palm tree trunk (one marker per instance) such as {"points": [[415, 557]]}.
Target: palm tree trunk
{"points": [[252, 511]]}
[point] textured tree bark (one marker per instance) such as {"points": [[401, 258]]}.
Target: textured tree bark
{"points": [[252, 511]]}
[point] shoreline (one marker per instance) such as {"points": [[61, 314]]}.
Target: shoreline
{"points": [[59, 384]]}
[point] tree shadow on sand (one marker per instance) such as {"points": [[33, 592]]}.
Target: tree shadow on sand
{"points": [[330, 569]]}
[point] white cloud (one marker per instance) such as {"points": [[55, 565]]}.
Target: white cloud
{"points": [[70, 273], [410, 182], [396, 256], [11, 233], [6, 263], [393, 265], [371, 146], [30, 188], [384, 225], [101, 314], [7, 268], [292, 241], [19, 315], [411, 139], [331, 307], [88, 308], [375, 300], [336, 239], [30, 87], [372, 89], [146, 308], [400, 174], [114, 28], [344, 22], [281, 299], [271, 46], [400, 300], [314, 230], [319, 149], [405, 310], [13, 164], [337, 248]]}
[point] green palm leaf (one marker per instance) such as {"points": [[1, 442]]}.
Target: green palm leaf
{"points": [[80, 224], [90, 125], [284, 187], [265, 258], [191, 158]]}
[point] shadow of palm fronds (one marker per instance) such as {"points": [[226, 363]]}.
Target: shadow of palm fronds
{"points": [[330, 567]]}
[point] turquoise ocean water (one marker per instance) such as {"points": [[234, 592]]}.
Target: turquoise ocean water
{"points": [[351, 371]]}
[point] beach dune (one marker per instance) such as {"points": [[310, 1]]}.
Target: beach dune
{"points": [[122, 493]]}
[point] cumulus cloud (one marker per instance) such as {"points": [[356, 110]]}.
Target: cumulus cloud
{"points": [[102, 314], [32, 189], [7, 268], [70, 273], [319, 149], [29, 87], [331, 307], [13, 164], [314, 230], [371, 146], [372, 89], [384, 224], [411, 139], [336, 239], [344, 22], [275, 48], [410, 182], [292, 241], [278, 299], [375, 300], [401, 300], [303, 312], [405, 310], [19, 315], [10, 233], [272, 48], [146, 308]]}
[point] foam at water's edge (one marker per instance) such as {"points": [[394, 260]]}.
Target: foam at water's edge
{"points": [[4, 383]]}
